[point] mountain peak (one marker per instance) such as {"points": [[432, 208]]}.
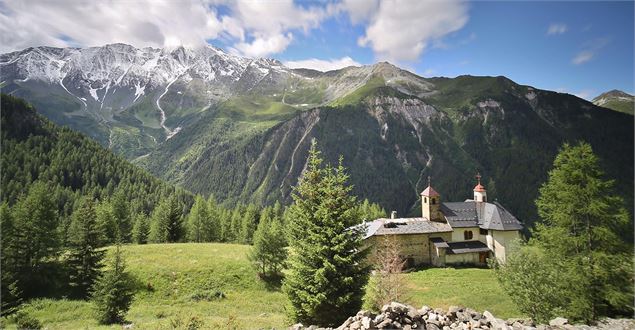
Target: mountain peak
{"points": [[616, 100]]}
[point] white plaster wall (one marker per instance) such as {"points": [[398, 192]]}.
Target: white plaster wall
{"points": [[502, 241], [457, 234], [470, 258]]}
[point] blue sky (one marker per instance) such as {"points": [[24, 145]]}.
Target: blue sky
{"points": [[583, 48]]}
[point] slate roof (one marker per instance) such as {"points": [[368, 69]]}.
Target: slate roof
{"points": [[479, 214], [405, 226], [466, 247], [439, 242]]}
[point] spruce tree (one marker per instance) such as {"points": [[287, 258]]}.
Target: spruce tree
{"points": [[167, 220], [34, 239], [114, 291], [84, 258], [268, 252], [11, 293], [248, 224], [327, 269], [213, 225], [197, 221], [106, 221], [141, 228], [121, 214], [581, 224]]}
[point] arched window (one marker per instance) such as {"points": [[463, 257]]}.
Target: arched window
{"points": [[467, 235], [425, 199]]}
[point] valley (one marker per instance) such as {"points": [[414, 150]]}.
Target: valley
{"points": [[238, 128]]}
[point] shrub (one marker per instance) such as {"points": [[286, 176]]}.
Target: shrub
{"points": [[27, 322]]}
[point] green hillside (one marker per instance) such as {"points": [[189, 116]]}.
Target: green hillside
{"points": [[178, 282], [391, 141], [71, 164]]}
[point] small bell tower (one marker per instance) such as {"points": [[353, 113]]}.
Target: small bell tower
{"points": [[480, 194], [430, 203]]}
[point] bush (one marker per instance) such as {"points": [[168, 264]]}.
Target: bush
{"points": [[208, 295], [27, 322]]}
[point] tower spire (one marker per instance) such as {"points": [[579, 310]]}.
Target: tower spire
{"points": [[429, 181], [480, 194]]}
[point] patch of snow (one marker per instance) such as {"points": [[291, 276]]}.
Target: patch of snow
{"points": [[174, 132], [93, 93], [138, 91], [530, 96]]}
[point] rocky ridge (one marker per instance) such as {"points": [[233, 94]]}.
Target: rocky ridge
{"points": [[400, 316]]}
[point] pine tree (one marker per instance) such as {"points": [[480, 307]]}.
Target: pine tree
{"points": [[114, 291], [34, 238], [327, 269], [268, 252], [248, 224], [166, 222], [121, 214], [213, 225], [582, 222], [197, 221], [11, 293], [84, 258], [106, 221], [141, 228]]}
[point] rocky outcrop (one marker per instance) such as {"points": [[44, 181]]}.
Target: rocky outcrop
{"points": [[400, 316]]}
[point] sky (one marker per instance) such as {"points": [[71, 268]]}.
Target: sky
{"points": [[578, 47]]}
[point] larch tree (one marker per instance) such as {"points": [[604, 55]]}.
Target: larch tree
{"points": [[84, 258], [327, 269], [581, 224]]}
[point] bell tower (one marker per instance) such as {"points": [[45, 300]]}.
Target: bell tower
{"points": [[430, 203], [480, 194]]}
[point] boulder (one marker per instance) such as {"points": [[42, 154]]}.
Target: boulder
{"points": [[558, 322], [366, 322]]}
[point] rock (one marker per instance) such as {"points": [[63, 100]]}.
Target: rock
{"points": [[432, 326], [297, 326], [398, 308], [558, 322], [384, 324], [414, 314], [517, 326], [496, 324], [379, 318], [355, 325], [407, 327], [432, 317], [366, 322]]}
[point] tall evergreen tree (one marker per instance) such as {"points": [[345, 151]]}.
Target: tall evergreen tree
{"points": [[249, 224], [268, 252], [167, 221], [114, 291], [106, 221], [141, 228], [582, 222], [197, 221], [327, 272], [34, 238], [11, 293], [213, 226], [84, 258], [121, 214]]}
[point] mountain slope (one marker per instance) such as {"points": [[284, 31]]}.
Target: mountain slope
{"points": [[616, 100], [392, 141], [239, 128], [71, 164]]}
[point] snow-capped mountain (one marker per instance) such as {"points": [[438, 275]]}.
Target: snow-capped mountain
{"points": [[133, 99], [616, 100]]}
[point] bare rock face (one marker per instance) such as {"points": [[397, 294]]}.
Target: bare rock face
{"points": [[400, 316]]}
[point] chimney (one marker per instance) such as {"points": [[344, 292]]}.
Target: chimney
{"points": [[393, 215]]}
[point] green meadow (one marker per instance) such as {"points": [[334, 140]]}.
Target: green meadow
{"points": [[179, 285]]}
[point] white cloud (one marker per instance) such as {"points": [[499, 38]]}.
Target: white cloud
{"points": [[359, 10], [583, 57], [153, 23], [323, 65], [591, 48], [557, 28], [401, 29], [269, 25], [263, 46]]}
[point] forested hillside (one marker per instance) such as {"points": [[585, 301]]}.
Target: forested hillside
{"points": [[70, 165]]}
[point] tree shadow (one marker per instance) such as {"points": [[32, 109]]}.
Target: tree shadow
{"points": [[273, 282]]}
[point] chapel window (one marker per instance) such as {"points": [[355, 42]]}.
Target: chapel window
{"points": [[467, 235]]}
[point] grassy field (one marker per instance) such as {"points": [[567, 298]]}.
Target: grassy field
{"points": [[172, 276]]}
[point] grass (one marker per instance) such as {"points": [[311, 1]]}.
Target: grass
{"points": [[172, 278], [476, 288]]}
